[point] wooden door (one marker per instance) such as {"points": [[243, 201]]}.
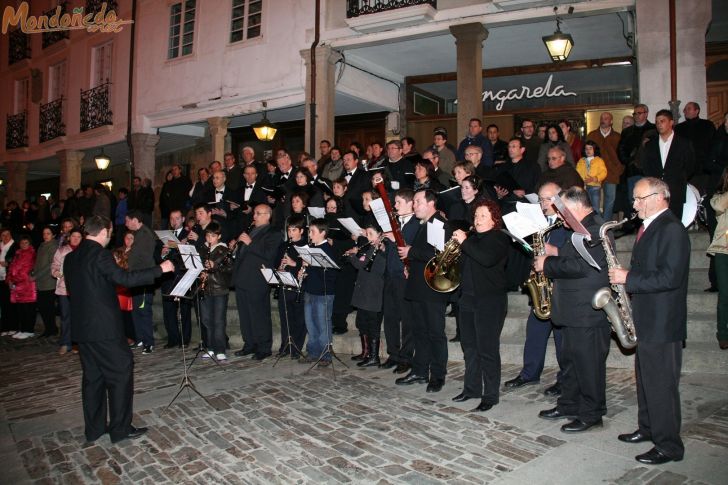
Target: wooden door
{"points": [[717, 101]]}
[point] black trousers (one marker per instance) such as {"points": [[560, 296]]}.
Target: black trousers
{"points": [[296, 320], [583, 384], [369, 323], [169, 312], [107, 385], [26, 315], [256, 326], [342, 297], [397, 323], [481, 323], [657, 366], [8, 314], [47, 310], [428, 328]]}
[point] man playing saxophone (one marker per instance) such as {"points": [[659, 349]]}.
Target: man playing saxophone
{"points": [[658, 282], [538, 330], [585, 331]]}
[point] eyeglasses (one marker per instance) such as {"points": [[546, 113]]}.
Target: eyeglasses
{"points": [[638, 112], [641, 199]]}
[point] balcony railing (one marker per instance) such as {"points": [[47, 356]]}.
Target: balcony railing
{"points": [[50, 38], [51, 120], [355, 8], [16, 131], [95, 107], [18, 47], [94, 6]]}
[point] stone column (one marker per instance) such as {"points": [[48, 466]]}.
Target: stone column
{"points": [[653, 52], [17, 174], [469, 41], [144, 147], [70, 162], [218, 131], [326, 58]]}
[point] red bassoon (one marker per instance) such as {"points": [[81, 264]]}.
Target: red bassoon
{"points": [[396, 230]]}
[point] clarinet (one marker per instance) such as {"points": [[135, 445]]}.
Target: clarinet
{"points": [[282, 267], [373, 256]]}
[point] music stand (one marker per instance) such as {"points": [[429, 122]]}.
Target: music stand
{"points": [[283, 280], [317, 258], [181, 291]]}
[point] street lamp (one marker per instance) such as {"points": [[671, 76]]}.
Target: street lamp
{"points": [[559, 44], [102, 161], [264, 129]]}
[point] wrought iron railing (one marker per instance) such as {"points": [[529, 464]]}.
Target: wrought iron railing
{"points": [[50, 38], [16, 131], [18, 46], [355, 8], [95, 107], [51, 120], [94, 6]]}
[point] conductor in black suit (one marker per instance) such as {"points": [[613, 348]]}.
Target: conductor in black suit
{"points": [[91, 278], [253, 193], [585, 331], [255, 249], [658, 282], [671, 158]]}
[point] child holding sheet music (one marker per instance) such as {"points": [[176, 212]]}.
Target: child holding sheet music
{"points": [[215, 289], [290, 302], [318, 287]]}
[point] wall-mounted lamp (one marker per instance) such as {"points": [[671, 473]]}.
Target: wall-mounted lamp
{"points": [[264, 129], [102, 161], [559, 44]]}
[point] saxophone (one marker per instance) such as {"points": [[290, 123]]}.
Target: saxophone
{"points": [[619, 308], [538, 285]]}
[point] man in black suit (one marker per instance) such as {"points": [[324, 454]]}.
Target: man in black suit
{"points": [[671, 158], [425, 306], [359, 181], [658, 282], [91, 276], [255, 249], [226, 206], [169, 305], [233, 172], [253, 194], [585, 331]]}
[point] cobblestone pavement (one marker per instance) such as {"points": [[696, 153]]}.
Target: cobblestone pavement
{"points": [[268, 424]]}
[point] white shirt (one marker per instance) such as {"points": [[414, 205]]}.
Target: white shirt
{"points": [[605, 134], [665, 147], [218, 193], [404, 220], [3, 253], [347, 176], [248, 191], [649, 220]]}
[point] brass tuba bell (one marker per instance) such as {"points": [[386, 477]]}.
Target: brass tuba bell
{"points": [[442, 273]]}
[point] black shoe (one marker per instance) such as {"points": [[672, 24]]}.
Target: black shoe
{"points": [[372, 357], [711, 289], [518, 382], [411, 378], [461, 397], [133, 433], [261, 356], [482, 407], [402, 368], [456, 338], [339, 331], [171, 346], [388, 364], [148, 349], [283, 353], [435, 385], [554, 414], [577, 426], [636, 437], [654, 457], [364, 348], [243, 352], [554, 390]]}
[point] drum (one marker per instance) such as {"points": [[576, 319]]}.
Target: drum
{"points": [[690, 207]]}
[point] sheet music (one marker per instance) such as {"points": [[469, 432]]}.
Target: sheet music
{"points": [[186, 282], [316, 257], [168, 238], [190, 256], [350, 225], [519, 240], [532, 198], [436, 234], [317, 212], [380, 214], [287, 279], [519, 225], [532, 212]]}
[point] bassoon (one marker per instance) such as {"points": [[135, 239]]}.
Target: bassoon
{"points": [[396, 229]]}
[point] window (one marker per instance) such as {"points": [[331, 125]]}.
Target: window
{"points": [[57, 81], [246, 19], [22, 89], [101, 62], [181, 29]]}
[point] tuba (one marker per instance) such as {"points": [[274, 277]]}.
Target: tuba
{"points": [[618, 308], [538, 285], [442, 273]]}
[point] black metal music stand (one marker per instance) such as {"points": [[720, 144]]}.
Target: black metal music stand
{"points": [[277, 280], [324, 262]]}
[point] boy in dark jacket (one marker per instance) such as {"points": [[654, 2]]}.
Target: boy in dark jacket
{"points": [[216, 288]]}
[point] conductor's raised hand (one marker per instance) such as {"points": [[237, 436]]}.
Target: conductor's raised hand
{"points": [[167, 266]]}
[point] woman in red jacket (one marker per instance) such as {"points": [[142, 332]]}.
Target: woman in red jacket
{"points": [[22, 287]]}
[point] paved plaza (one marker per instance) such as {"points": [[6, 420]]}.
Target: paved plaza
{"points": [[281, 425]]}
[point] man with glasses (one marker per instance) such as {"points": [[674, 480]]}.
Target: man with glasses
{"points": [[559, 172], [671, 158], [658, 284]]}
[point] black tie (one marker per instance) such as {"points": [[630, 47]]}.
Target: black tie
{"points": [[349, 174], [248, 186], [218, 191]]}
